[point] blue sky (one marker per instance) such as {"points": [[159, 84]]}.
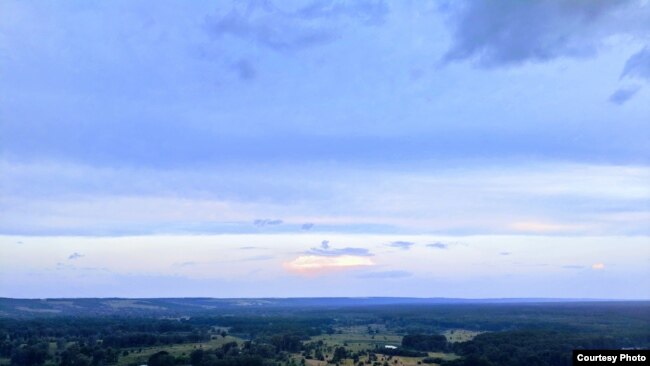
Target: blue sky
{"points": [[448, 148]]}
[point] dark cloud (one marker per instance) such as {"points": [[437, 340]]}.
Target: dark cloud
{"points": [[326, 251], [267, 222], [573, 266], [638, 65], [404, 245], [75, 255], [622, 95], [438, 245], [505, 32], [282, 30], [307, 226], [245, 70], [386, 274]]}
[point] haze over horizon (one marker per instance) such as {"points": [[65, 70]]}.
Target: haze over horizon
{"points": [[459, 149]]}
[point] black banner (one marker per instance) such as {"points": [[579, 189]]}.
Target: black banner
{"points": [[624, 357]]}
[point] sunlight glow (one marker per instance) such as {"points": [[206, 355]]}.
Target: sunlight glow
{"points": [[315, 264]]}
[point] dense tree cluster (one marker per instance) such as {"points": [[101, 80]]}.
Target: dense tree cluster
{"points": [[529, 347], [425, 342]]}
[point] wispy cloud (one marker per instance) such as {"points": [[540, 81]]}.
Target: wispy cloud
{"points": [[622, 95], [514, 32], [385, 274], [307, 226], [438, 245], [75, 255], [505, 253], [638, 65], [573, 266], [282, 29], [363, 252], [267, 222], [245, 70], [404, 245]]}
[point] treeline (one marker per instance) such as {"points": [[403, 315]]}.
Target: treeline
{"points": [[102, 340], [530, 347]]}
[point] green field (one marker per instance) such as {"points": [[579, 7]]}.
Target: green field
{"points": [[460, 335], [177, 350], [375, 338]]}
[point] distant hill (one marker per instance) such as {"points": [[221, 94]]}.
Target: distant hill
{"points": [[174, 307]]}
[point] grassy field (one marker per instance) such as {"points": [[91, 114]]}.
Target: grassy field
{"points": [[460, 335], [354, 339], [359, 338], [176, 350]]}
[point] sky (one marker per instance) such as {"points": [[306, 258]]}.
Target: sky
{"points": [[475, 149]]}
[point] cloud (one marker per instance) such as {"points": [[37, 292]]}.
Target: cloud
{"points": [[404, 245], [370, 12], [638, 65], [598, 266], [266, 222], [257, 258], [622, 95], [249, 248], [385, 274], [307, 226], [438, 245], [543, 227], [497, 33], [505, 253], [360, 252], [318, 263], [245, 70], [75, 255], [326, 258], [187, 264], [292, 29], [573, 266]]}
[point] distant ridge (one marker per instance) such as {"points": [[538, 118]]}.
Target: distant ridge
{"points": [[190, 306]]}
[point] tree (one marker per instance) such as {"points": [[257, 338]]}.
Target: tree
{"points": [[339, 354], [161, 358], [29, 356]]}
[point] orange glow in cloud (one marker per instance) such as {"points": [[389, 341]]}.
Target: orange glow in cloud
{"points": [[598, 266], [309, 264]]}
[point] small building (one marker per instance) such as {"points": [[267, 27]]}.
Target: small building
{"points": [[388, 346]]}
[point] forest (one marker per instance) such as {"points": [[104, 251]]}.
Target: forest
{"points": [[313, 333]]}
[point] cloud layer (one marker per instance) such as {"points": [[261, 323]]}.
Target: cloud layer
{"points": [[514, 32]]}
